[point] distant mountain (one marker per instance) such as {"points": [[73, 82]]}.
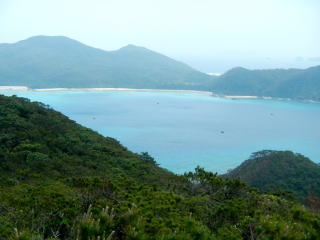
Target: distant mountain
{"points": [[271, 170], [56, 61], [45, 62], [290, 83], [304, 84]]}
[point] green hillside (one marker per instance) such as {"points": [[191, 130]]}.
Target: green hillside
{"points": [[241, 81], [272, 170], [53, 62], [290, 83], [303, 85], [59, 180], [47, 62]]}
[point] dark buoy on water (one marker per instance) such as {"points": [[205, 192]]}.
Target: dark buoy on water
{"points": [[222, 132]]}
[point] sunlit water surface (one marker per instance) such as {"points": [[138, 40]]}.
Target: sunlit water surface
{"points": [[184, 130]]}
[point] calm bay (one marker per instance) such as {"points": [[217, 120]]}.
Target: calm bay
{"points": [[182, 130]]}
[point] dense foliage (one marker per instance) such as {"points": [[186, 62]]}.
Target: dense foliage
{"points": [[60, 180], [290, 83], [47, 62], [272, 170]]}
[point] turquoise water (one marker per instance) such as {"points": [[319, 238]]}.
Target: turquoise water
{"points": [[184, 130]]}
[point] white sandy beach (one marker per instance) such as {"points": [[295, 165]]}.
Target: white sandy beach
{"points": [[240, 97], [18, 88], [24, 88], [121, 89]]}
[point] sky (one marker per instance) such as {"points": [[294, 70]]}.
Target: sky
{"points": [[210, 35]]}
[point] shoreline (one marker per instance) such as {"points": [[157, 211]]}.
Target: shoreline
{"points": [[122, 89], [24, 88], [14, 88], [231, 97]]}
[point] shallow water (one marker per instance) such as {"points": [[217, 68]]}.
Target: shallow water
{"points": [[183, 130]]}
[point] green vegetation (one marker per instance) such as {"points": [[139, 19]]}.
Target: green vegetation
{"points": [[291, 83], [276, 170], [48, 62], [60, 180]]}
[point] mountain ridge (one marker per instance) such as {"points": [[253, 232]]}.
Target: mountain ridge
{"points": [[61, 62], [283, 83], [57, 61]]}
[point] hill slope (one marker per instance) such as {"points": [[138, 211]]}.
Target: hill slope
{"points": [[63, 181], [302, 85], [269, 170], [38, 140], [290, 83], [47, 62]]}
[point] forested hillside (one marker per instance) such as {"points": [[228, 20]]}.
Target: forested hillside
{"points": [[274, 170], [60, 180], [303, 85], [50, 62], [60, 62], [282, 83]]}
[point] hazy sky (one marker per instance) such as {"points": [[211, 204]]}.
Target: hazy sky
{"points": [[211, 35]]}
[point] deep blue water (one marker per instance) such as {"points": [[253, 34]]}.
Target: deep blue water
{"points": [[183, 130]]}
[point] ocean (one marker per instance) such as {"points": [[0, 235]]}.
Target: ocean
{"points": [[183, 130]]}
